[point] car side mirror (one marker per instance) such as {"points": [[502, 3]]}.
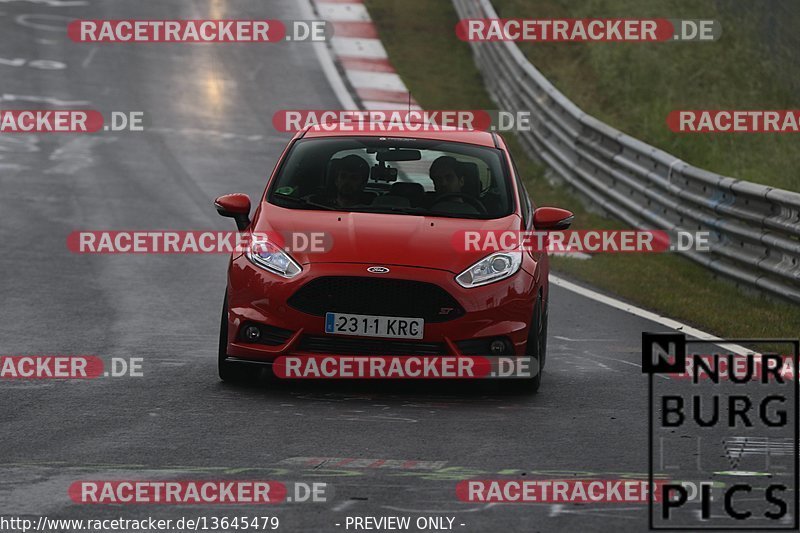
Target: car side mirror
{"points": [[235, 206], [552, 218]]}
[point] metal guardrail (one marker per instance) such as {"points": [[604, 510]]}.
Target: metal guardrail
{"points": [[755, 229]]}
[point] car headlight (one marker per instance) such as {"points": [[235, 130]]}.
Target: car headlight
{"points": [[269, 256], [490, 269]]}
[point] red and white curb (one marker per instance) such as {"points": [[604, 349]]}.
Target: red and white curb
{"points": [[362, 57]]}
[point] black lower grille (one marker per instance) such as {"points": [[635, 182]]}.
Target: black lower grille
{"points": [[376, 296], [344, 346]]}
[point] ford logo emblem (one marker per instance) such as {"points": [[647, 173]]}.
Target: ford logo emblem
{"points": [[378, 270]]}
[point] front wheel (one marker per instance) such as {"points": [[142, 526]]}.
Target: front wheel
{"points": [[535, 348]]}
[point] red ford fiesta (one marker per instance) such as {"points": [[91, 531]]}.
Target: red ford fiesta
{"points": [[375, 270]]}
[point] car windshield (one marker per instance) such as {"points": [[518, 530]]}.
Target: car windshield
{"points": [[393, 176]]}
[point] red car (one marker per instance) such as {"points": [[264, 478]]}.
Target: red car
{"points": [[387, 207]]}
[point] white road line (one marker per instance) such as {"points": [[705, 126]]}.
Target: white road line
{"points": [[662, 376], [647, 315], [570, 339], [44, 99], [559, 509], [439, 511], [571, 255], [344, 505], [598, 363], [27, 20], [89, 57]]}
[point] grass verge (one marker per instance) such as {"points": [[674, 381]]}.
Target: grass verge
{"points": [[633, 86], [439, 70]]}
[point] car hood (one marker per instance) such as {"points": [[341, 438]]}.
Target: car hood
{"points": [[381, 239]]}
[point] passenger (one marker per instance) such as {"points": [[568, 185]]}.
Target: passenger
{"points": [[444, 172]]}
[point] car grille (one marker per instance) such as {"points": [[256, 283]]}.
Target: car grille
{"points": [[376, 296], [344, 346]]}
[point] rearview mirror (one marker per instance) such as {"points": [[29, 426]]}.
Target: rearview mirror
{"points": [[399, 154], [552, 218], [235, 206], [381, 172]]}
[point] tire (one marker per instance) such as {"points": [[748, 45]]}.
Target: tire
{"points": [[229, 371], [543, 338], [536, 347]]}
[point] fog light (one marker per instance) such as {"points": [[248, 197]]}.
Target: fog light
{"points": [[497, 347], [252, 333]]}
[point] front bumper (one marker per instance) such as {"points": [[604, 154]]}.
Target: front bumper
{"points": [[502, 309]]}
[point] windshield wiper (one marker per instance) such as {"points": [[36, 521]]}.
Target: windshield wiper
{"points": [[301, 201], [445, 214], [389, 209]]}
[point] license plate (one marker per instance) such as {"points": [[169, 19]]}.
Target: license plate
{"points": [[394, 327]]}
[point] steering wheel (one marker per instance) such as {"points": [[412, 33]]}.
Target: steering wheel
{"points": [[474, 202]]}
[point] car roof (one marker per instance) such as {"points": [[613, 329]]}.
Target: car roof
{"points": [[341, 129]]}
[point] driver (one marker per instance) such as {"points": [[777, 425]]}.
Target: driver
{"points": [[352, 174]]}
